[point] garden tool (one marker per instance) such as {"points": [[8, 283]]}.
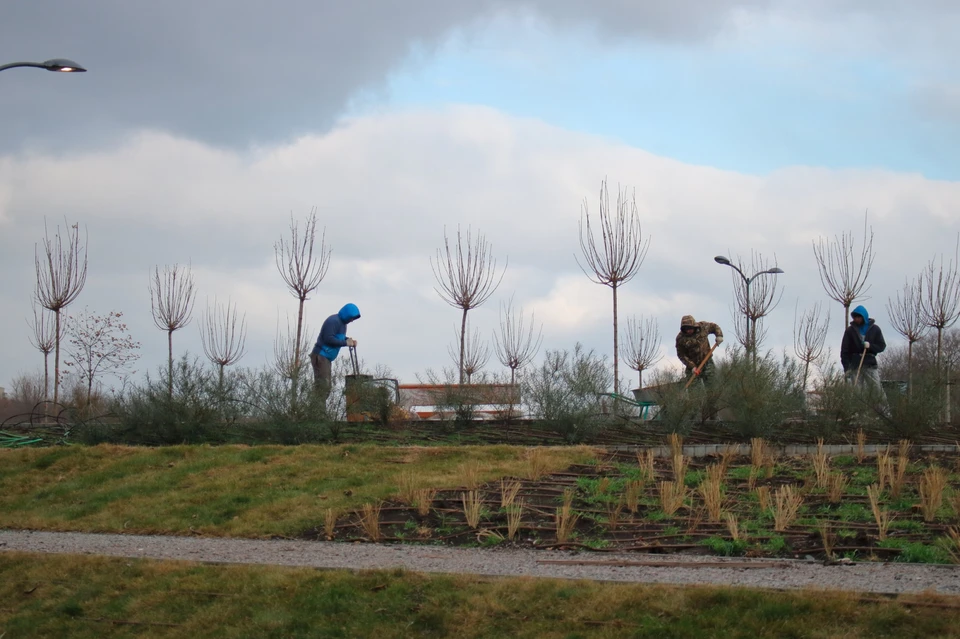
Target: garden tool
{"points": [[353, 360], [856, 380], [700, 367]]}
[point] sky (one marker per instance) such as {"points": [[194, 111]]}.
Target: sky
{"points": [[740, 127]]}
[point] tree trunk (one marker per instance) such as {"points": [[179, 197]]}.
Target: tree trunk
{"points": [[616, 347], [909, 370], [463, 335], [296, 357], [46, 376], [169, 364], [56, 362], [513, 375]]}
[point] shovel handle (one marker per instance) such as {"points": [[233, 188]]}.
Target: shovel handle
{"points": [[353, 360], [700, 367]]}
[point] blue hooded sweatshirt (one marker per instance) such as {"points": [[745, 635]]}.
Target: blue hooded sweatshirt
{"points": [[852, 351], [862, 312], [333, 333]]}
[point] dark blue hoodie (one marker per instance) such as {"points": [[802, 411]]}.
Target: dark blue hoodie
{"points": [[333, 333], [851, 348]]}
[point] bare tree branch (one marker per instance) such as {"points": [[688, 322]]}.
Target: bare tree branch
{"points": [[288, 363], [757, 302], [842, 273], [224, 341], [61, 275], [466, 275], [643, 345], [516, 347], [809, 337], [301, 269], [618, 255], [906, 317], [940, 297], [98, 345], [43, 337], [171, 304], [476, 354]]}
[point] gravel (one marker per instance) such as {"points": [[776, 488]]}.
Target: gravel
{"points": [[887, 578]]}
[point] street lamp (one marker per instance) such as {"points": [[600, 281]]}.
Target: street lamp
{"points": [[59, 65], [747, 281]]}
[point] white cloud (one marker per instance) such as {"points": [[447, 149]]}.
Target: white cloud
{"points": [[386, 185]]}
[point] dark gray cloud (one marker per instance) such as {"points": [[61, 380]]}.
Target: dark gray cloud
{"points": [[235, 73]]}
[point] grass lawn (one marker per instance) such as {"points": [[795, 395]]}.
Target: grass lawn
{"points": [[232, 491], [79, 596]]}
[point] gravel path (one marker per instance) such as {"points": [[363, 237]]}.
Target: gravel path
{"points": [[890, 578]]}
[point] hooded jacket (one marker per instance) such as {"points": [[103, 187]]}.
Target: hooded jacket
{"points": [[691, 349], [851, 348], [333, 333]]}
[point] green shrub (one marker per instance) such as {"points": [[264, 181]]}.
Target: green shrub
{"points": [[760, 395]]}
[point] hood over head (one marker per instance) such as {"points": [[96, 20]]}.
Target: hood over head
{"points": [[348, 313], [687, 320]]}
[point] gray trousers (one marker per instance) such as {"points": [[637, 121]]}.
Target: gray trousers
{"points": [[322, 375]]}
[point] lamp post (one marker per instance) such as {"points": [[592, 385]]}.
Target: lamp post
{"points": [[720, 259], [58, 65]]}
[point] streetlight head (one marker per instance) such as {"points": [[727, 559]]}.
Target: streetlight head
{"points": [[775, 270], [721, 260], [62, 65]]}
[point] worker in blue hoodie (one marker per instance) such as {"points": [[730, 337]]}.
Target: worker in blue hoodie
{"points": [[333, 337], [863, 340]]}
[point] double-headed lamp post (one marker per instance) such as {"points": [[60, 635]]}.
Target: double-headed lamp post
{"points": [[59, 65], [747, 281]]}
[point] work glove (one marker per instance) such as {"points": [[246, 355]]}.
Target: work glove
{"points": [[866, 345], [351, 342], [696, 371], [719, 340]]}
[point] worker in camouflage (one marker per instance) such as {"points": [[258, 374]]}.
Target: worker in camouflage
{"points": [[693, 346]]}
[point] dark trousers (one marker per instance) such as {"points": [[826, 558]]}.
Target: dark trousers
{"points": [[322, 375]]}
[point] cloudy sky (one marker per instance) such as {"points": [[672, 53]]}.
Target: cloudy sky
{"points": [[741, 125]]}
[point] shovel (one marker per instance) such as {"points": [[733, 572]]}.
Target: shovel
{"points": [[353, 360], [700, 367], [862, 356]]}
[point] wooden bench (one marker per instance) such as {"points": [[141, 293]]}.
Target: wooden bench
{"points": [[439, 401]]}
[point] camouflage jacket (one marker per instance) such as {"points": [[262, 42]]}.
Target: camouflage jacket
{"points": [[691, 349]]}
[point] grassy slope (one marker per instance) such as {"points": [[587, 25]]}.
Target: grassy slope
{"points": [[77, 597], [234, 491]]}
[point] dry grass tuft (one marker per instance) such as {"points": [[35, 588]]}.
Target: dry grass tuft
{"points": [[904, 446], [727, 455], [566, 519], [370, 521], [423, 499], [645, 460], [933, 483], [899, 475], [672, 496], [406, 487], [631, 495], [472, 505], [763, 497], [470, 472], [836, 485], [786, 504], [758, 452], [752, 478], [733, 527], [953, 543], [514, 514], [711, 491], [508, 492], [330, 516], [716, 472], [676, 444], [882, 517], [679, 467], [536, 463], [826, 536], [861, 446], [884, 468], [614, 511], [821, 465]]}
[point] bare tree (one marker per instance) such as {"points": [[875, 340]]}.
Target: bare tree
{"points": [[171, 303], [940, 297], [749, 335], [223, 339], [906, 317], [617, 256], [809, 336], [467, 278], [99, 345], [643, 345], [43, 338], [755, 297], [61, 275], [515, 344], [301, 269], [476, 354], [842, 273], [287, 361]]}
